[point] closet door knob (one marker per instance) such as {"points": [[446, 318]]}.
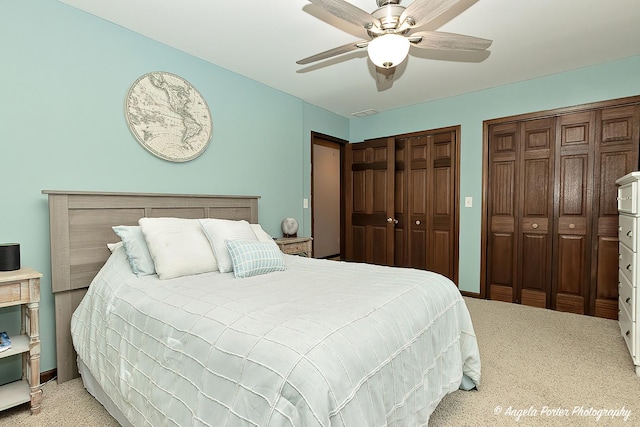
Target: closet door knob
{"points": [[629, 267], [389, 220], [629, 233], [627, 300], [534, 225], [572, 226], [418, 222], [619, 229]]}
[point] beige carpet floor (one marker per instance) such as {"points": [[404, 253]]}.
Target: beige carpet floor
{"points": [[539, 368]]}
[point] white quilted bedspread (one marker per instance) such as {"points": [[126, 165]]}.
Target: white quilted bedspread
{"points": [[322, 344]]}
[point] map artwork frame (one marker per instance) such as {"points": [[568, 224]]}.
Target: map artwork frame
{"points": [[168, 116]]}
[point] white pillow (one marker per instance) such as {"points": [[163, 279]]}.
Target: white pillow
{"points": [[262, 235], [220, 230], [178, 246]]}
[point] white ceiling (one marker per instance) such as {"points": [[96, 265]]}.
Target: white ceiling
{"points": [[263, 39]]}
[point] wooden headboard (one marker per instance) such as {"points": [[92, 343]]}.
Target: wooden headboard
{"points": [[80, 228]]}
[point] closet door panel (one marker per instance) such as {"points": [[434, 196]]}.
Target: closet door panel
{"points": [[576, 134], [616, 155], [401, 250], [417, 152], [502, 243], [536, 212], [440, 210], [370, 237]]}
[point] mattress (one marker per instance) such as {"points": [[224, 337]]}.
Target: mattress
{"points": [[323, 343]]}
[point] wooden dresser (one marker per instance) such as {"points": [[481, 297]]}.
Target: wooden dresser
{"points": [[629, 263]]}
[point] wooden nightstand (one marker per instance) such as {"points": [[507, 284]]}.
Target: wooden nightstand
{"points": [[295, 245], [22, 287]]}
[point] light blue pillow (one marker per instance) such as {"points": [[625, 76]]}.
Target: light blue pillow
{"points": [[253, 257], [136, 249]]}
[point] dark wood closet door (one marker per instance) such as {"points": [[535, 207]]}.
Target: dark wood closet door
{"points": [[550, 225], [536, 159], [442, 248], [402, 201], [573, 212], [369, 228], [616, 154], [502, 212], [425, 203]]}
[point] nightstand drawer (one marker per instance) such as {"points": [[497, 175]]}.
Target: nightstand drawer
{"points": [[10, 292], [295, 248]]}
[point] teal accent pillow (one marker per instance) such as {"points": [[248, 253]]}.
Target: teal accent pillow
{"points": [[253, 257], [135, 246]]}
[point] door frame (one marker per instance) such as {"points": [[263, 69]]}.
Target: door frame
{"points": [[327, 140]]}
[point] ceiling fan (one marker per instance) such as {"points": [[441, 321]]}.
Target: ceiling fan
{"points": [[391, 29]]}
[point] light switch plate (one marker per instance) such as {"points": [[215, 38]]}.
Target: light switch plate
{"points": [[468, 202]]}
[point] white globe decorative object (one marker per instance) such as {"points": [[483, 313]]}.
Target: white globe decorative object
{"points": [[289, 227]]}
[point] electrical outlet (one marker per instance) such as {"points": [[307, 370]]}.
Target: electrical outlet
{"points": [[468, 202]]}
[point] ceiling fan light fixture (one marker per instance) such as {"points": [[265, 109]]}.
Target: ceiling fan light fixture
{"points": [[388, 50]]}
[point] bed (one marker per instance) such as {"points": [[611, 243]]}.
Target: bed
{"points": [[318, 343]]}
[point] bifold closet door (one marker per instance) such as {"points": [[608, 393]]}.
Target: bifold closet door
{"points": [[535, 213], [369, 193], [573, 212], [552, 218], [520, 206], [616, 154], [401, 201], [425, 202]]}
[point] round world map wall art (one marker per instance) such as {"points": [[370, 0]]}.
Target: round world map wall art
{"points": [[168, 116]]}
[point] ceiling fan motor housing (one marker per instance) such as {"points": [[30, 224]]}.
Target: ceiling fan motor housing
{"points": [[389, 17], [386, 2]]}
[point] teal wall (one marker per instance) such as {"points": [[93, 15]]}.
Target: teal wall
{"points": [[63, 80], [605, 81]]}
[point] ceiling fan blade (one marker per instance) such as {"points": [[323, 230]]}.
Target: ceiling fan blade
{"points": [[347, 12], [440, 40], [425, 11], [333, 52]]}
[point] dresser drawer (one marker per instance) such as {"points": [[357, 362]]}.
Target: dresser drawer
{"points": [[627, 262], [627, 227], [627, 199], [627, 295], [627, 329]]}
